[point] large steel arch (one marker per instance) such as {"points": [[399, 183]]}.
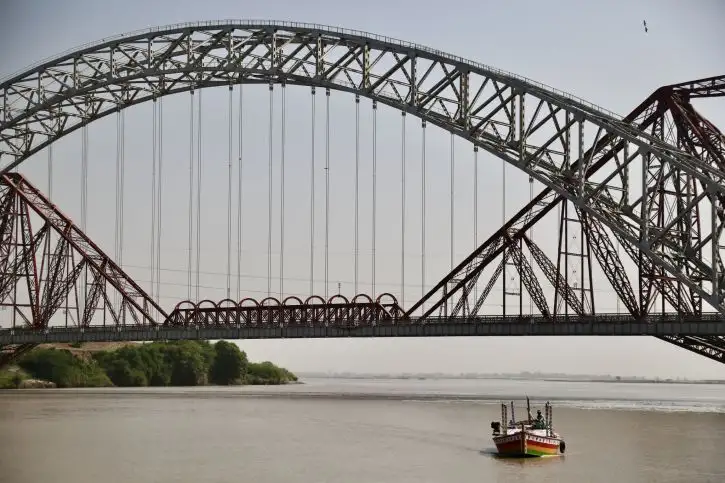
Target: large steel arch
{"points": [[546, 133]]}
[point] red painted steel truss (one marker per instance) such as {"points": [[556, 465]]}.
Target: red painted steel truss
{"points": [[51, 271], [315, 311]]}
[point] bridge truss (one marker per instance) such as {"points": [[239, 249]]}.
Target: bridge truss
{"points": [[651, 183]]}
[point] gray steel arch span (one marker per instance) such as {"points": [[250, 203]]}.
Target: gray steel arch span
{"points": [[556, 138]]}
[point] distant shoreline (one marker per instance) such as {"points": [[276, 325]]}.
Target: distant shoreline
{"points": [[512, 377]]}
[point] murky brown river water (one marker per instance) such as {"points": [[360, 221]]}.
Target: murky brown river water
{"points": [[357, 432]]}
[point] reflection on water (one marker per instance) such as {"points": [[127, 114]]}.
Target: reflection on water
{"points": [[341, 431]]}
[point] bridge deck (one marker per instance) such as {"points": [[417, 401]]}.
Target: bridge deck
{"points": [[706, 325]]}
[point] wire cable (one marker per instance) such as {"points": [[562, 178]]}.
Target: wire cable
{"points": [[357, 190], [327, 191], [153, 199], [312, 197], [269, 190], [531, 237], [281, 200], [240, 193], [375, 191], [50, 171], [402, 209], [475, 210], [191, 189], [229, 193], [118, 183], [123, 183], [422, 216], [158, 193], [83, 282], [198, 199], [84, 177], [453, 164]]}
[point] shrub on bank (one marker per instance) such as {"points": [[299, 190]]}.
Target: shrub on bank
{"points": [[179, 363], [63, 368], [261, 373], [12, 378]]}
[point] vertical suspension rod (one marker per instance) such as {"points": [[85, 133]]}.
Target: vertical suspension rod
{"points": [[198, 198], [402, 210], [123, 183], [375, 191], [118, 181], [84, 177], [281, 200], [453, 182], [153, 198], [229, 194], [531, 237], [422, 217], [191, 192], [160, 156], [117, 193], [269, 190], [239, 195], [50, 197], [475, 209], [327, 190], [503, 222], [50, 171], [312, 195], [84, 218], [357, 189]]}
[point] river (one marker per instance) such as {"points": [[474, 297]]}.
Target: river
{"points": [[358, 431]]}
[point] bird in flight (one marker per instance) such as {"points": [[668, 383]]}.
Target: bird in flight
{"points": [[645, 26]]}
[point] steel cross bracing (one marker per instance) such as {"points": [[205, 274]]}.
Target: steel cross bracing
{"points": [[43, 258], [558, 140], [673, 215], [674, 203]]}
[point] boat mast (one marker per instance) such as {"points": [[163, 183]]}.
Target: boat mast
{"points": [[504, 419], [549, 416]]}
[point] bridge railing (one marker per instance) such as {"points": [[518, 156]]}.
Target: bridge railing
{"points": [[352, 316]]}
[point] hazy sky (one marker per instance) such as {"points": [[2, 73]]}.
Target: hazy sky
{"points": [[598, 51]]}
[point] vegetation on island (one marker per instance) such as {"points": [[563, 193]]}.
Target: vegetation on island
{"points": [[183, 363]]}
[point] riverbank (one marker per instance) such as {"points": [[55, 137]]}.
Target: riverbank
{"points": [[184, 363]]}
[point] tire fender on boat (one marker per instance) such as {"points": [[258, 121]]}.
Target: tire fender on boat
{"points": [[562, 447]]}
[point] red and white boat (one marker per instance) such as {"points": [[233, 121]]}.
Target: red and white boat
{"points": [[531, 437]]}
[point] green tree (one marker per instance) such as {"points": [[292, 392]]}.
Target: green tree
{"points": [[229, 365], [158, 372], [122, 374], [188, 367]]}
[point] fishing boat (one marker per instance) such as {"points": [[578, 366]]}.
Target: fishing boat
{"points": [[530, 437]]}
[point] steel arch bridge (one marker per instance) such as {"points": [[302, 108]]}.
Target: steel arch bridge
{"points": [[582, 154]]}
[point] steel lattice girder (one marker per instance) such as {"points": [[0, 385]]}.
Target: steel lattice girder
{"points": [[336, 312], [710, 347], [540, 130], [52, 268], [601, 155]]}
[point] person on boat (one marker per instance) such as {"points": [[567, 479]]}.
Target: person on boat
{"points": [[540, 423]]}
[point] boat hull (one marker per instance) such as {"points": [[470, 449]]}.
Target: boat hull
{"points": [[523, 444]]}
